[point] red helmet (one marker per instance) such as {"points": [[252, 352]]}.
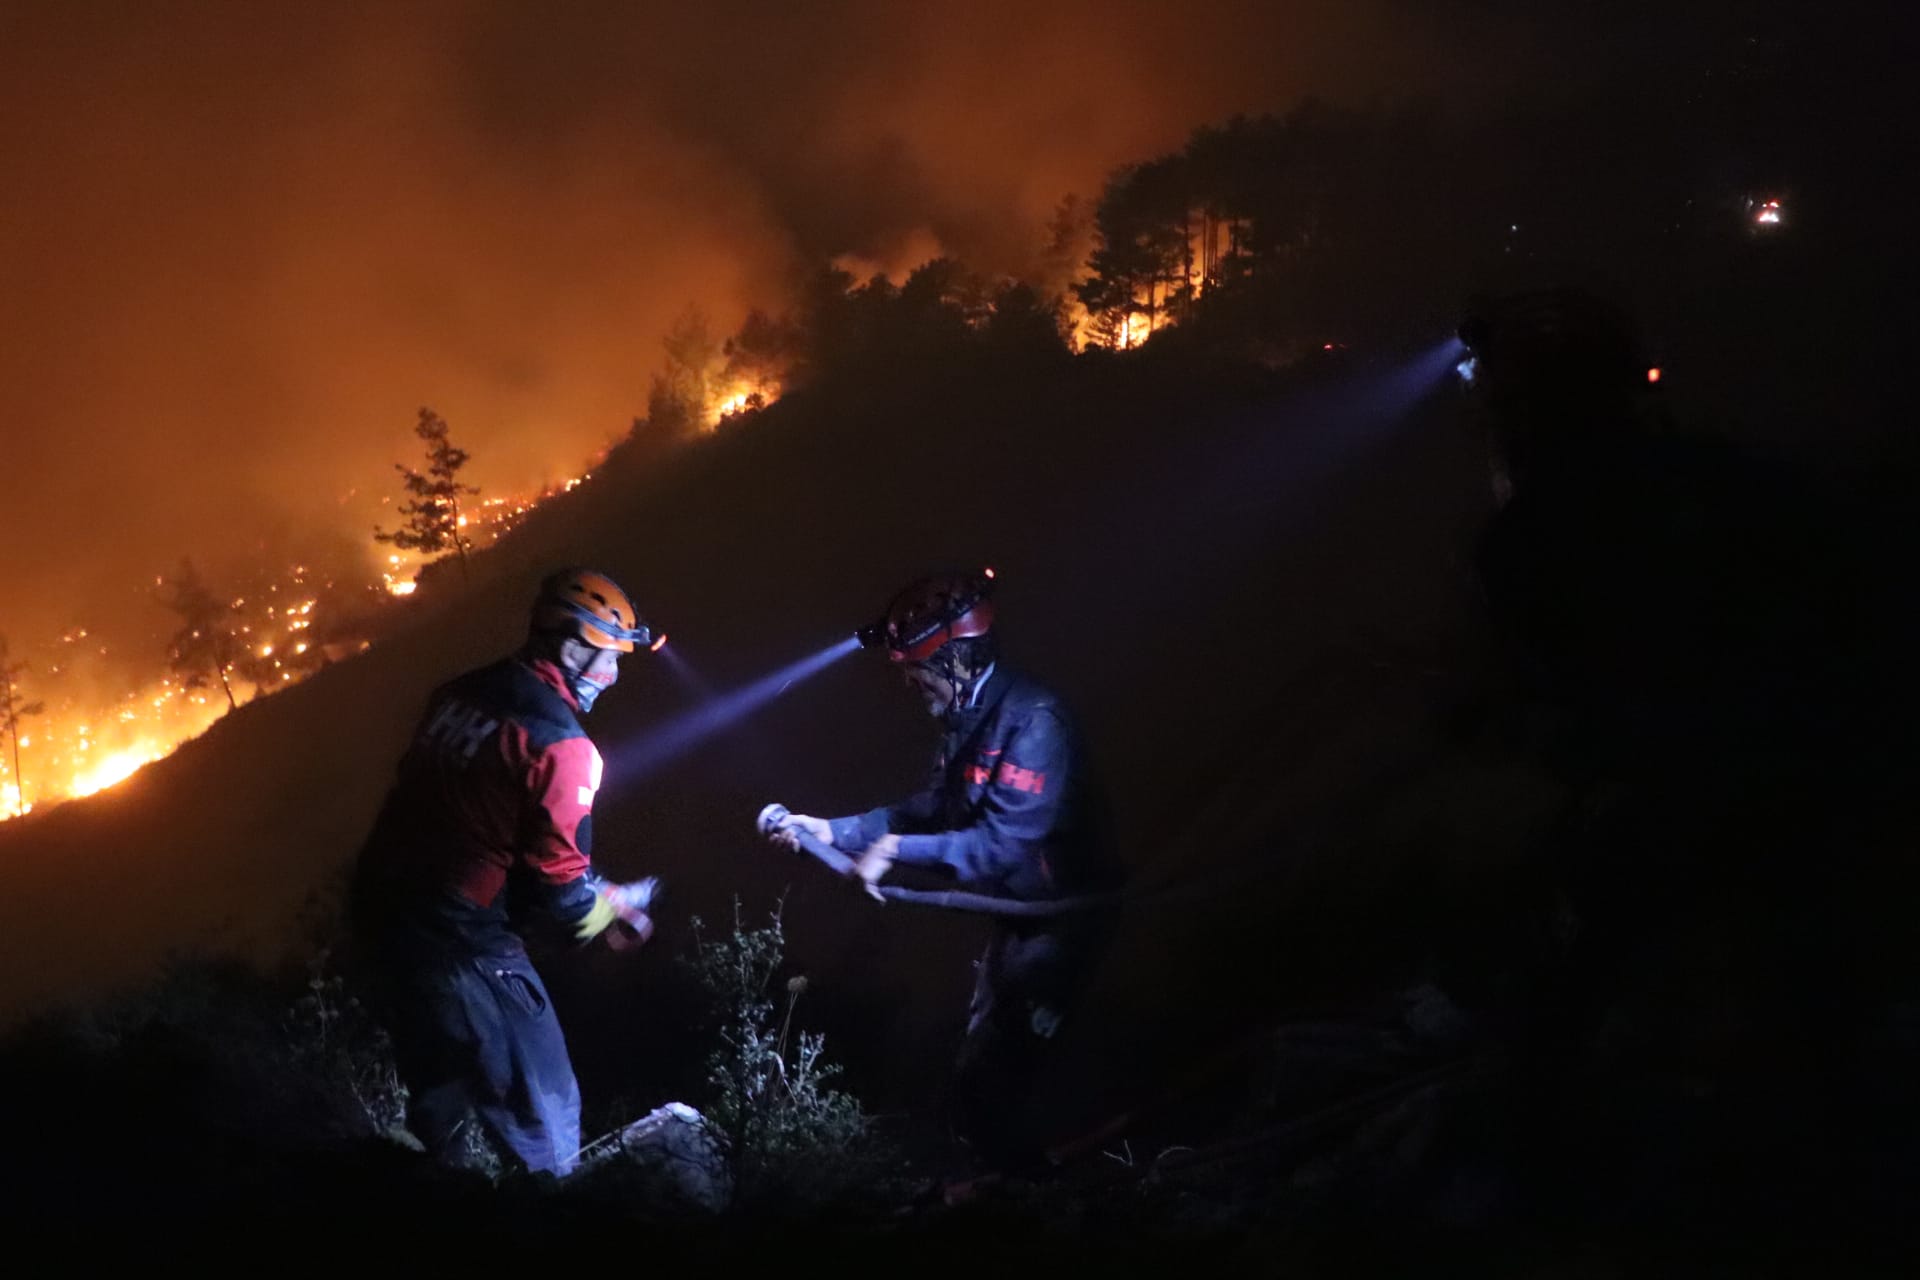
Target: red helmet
{"points": [[926, 615], [590, 607]]}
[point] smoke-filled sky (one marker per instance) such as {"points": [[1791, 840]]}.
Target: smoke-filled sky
{"points": [[240, 244]]}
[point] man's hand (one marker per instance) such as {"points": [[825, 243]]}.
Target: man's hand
{"points": [[874, 862], [794, 824], [631, 903]]}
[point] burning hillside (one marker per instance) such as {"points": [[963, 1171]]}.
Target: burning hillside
{"points": [[78, 716]]}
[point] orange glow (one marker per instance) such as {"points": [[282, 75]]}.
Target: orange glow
{"points": [[83, 746], [659, 644], [1653, 375], [117, 767], [739, 396]]}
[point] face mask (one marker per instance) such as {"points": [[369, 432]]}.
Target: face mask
{"points": [[585, 688], [584, 691]]}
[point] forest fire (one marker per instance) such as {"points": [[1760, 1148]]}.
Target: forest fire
{"points": [[117, 767], [72, 751], [61, 738]]}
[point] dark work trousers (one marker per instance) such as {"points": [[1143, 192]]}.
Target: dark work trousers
{"points": [[1027, 983], [477, 1033]]}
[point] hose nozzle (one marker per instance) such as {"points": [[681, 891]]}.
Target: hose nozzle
{"points": [[770, 819]]}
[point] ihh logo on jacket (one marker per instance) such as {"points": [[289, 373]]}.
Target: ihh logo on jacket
{"points": [[990, 768], [459, 729]]}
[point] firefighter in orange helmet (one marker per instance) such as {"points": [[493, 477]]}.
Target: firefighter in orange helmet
{"points": [[496, 790]]}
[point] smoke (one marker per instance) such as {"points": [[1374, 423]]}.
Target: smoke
{"points": [[243, 244]]}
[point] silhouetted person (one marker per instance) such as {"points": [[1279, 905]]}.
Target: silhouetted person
{"points": [[1678, 617]]}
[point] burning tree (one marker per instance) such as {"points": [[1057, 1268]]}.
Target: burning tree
{"points": [[761, 357], [12, 709], [683, 395], [204, 642], [433, 516]]}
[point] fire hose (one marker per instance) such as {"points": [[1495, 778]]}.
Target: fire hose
{"points": [[984, 904]]}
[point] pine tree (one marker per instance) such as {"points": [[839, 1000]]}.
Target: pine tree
{"points": [[433, 516], [204, 642]]}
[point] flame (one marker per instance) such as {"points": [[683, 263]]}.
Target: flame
{"points": [[117, 767], [78, 748]]}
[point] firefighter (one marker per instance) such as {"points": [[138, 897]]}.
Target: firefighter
{"points": [[1009, 810], [489, 824]]}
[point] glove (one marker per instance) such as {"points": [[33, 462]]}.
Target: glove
{"points": [[634, 898], [621, 912]]}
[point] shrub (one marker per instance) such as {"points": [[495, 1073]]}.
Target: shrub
{"points": [[791, 1140], [333, 1037]]}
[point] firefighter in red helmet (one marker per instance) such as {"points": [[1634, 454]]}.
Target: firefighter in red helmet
{"points": [[1009, 810]]}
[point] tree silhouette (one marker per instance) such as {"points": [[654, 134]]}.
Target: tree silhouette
{"points": [[433, 516], [762, 355], [12, 708], [203, 644]]}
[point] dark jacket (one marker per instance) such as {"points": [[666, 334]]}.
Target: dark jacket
{"points": [[1010, 808], [496, 788]]}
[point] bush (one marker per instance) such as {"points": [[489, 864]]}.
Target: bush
{"points": [[331, 1036], [791, 1141]]}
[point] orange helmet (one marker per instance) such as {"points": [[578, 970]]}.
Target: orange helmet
{"points": [[590, 607]]}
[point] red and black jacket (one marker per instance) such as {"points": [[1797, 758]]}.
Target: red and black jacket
{"points": [[495, 793], [1010, 807]]}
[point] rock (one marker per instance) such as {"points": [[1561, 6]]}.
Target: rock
{"points": [[676, 1159]]}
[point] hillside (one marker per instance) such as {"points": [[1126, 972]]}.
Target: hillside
{"points": [[1237, 599]]}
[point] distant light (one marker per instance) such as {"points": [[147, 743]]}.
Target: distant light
{"points": [[1326, 346], [990, 572], [1653, 374], [659, 644], [1468, 369]]}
